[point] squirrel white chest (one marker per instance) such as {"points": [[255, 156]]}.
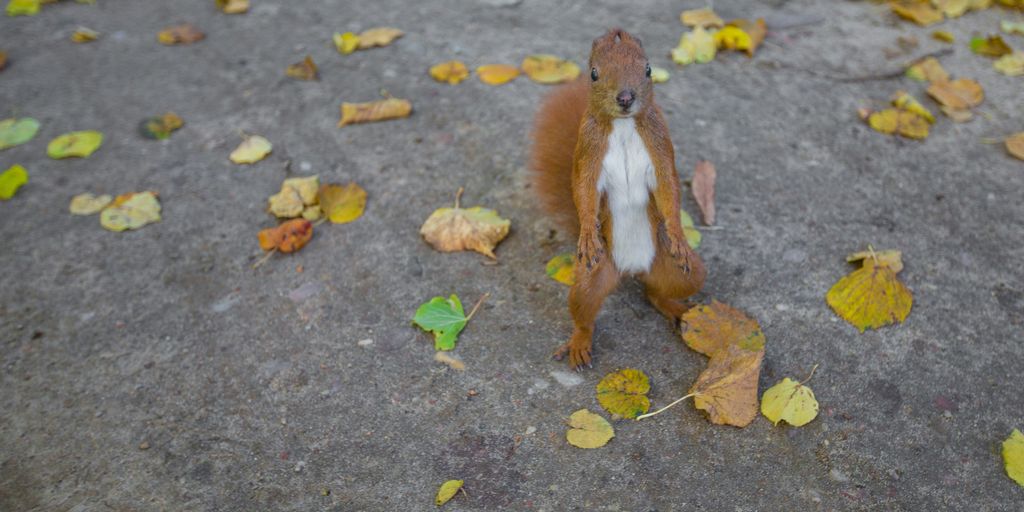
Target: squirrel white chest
{"points": [[627, 179]]}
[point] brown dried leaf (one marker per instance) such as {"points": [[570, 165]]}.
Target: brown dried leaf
{"points": [[305, 70], [381, 110], [1015, 145], [959, 94], [180, 34], [465, 229], [703, 187], [928, 70]]}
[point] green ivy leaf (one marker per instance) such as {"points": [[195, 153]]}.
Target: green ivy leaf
{"points": [[443, 317]]}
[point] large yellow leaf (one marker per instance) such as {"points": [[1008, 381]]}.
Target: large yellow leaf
{"points": [[1013, 456], [131, 211], [871, 296], [549, 69], [75, 144], [588, 430], [342, 203], [451, 72], [465, 229], [447, 491], [253, 149], [88, 204], [381, 110], [791, 401], [624, 393]]}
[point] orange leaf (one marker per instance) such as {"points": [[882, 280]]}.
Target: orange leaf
{"points": [[381, 110], [496, 74], [288, 237]]}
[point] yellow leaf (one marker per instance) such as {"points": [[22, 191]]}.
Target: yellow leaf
{"points": [[307, 188], [790, 401], [919, 12], [451, 72], [959, 94], [993, 46], [447, 491], [286, 204], [692, 234], [732, 38], [870, 297], [304, 70], [346, 43], [253, 149], [703, 18], [1013, 456], [588, 430], [381, 110], [312, 213], [944, 36], [88, 204], [380, 36], [1015, 145], [659, 75], [180, 34], [624, 393], [1010, 65], [131, 211], [696, 46], [465, 229], [952, 8], [75, 144], [562, 268], [233, 6], [905, 123], [928, 70], [22, 7], [342, 204], [84, 35], [496, 74], [903, 100], [756, 30], [549, 69], [11, 180], [727, 388]]}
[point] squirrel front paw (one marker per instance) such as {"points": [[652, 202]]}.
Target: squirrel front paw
{"points": [[680, 252], [589, 250]]}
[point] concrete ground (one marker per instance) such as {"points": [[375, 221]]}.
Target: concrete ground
{"points": [[249, 391]]}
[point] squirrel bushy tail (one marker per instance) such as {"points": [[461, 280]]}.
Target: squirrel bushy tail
{"points": [[555, 131]]}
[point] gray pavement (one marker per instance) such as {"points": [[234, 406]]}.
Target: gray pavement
{"points": [[250, 391]]}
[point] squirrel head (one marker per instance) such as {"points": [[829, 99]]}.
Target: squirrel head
{"points": [[620, 75]]}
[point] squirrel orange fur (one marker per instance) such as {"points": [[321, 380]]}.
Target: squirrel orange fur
{"points": [[604, 167]]}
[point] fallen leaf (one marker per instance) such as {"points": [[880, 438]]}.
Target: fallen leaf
{"points": [[131, 211], [451, 72], [928, 70], [944, 36], [1015, 145], [17, 131], [562, 268], [588, 430], [496, 74], [907, 124], [919, 12], [791, 401], [289, 237], [959, 94], [1012, 27], [727, 388], [732, 38], [549, 69], [252, 149], [871, 296], [312, 213], [695, 46], [233, 6], [11, 180], [380, 110], [992, 46], [88, 204], [342, 203], [75, 144], [659, 75], [3, 59], [703, 18], [160, 127], [624, 393], [452, 362], [903, 100], [180, 34], [756, 31], [346, 43], [952, 8], [443, 317], [693, 236], [892, 258], [465, 229], [22, 7], [304, 70], [1010, 65], [286, 204], [703, 188], [1013, 456], [447, 491], [381, 36], [84, 35]]}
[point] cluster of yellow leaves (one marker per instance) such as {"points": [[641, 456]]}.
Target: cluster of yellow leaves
{"points": [[252, 149], [11, 180], [465, 229], [180, 34], [297, 197], [380, 110], [303, 70], [872, 296], [909, 118], [927, 13], [588, 430], [710, 35], [372, 38], [955, 97], [549, 69], [541, 68], [127, 211]]}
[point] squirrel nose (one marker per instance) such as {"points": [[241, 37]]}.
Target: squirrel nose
{"points": [[625, 98]]}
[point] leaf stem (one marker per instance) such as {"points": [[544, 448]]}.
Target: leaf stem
{"points": [[458, 196], [478, 303], [659, 411], [809, 376], [264, 258]]}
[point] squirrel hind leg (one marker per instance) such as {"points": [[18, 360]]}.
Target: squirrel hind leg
{"points": [[668, 285]]}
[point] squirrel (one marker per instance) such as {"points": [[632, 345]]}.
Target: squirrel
{"points": [[603, 166]]}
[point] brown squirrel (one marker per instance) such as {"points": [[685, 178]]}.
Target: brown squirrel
{"points": [[604, 166]]}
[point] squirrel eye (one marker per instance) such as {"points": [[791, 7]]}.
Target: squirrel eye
{"points": [[648, 71], [593, 74]]}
